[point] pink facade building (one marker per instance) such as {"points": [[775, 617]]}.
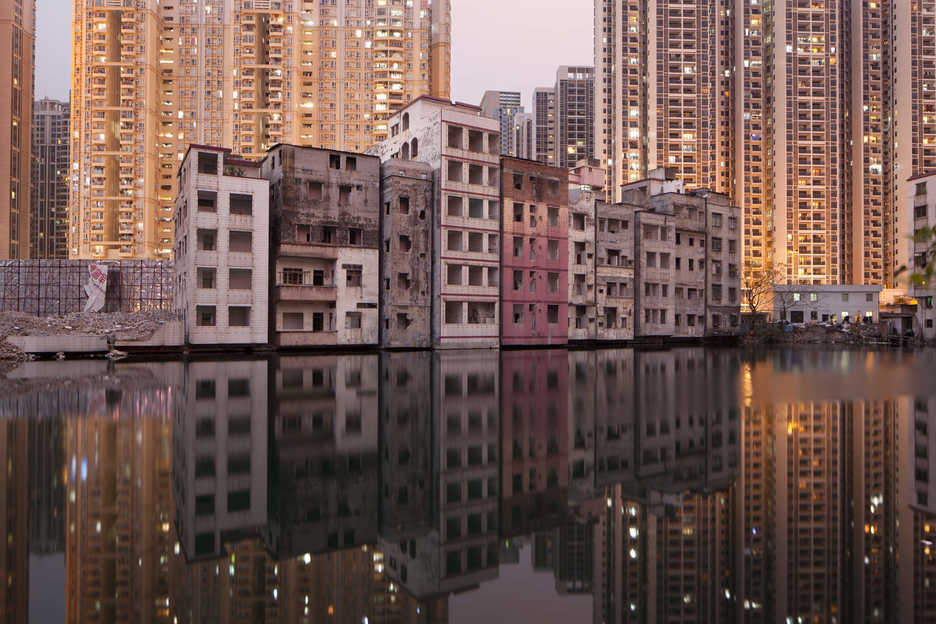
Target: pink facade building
{"points": [[534, 253]]}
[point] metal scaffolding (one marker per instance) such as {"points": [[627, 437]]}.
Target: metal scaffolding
{"points": [[56, 287]]}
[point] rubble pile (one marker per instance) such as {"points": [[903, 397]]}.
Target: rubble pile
{"points": [[116, 325], [813, 334]]}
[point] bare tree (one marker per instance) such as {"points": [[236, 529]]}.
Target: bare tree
{"points": [[759, 293], [783, 300]]}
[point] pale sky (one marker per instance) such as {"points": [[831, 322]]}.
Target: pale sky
{"points": [[514, 45]]}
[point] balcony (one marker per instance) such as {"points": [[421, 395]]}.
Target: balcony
{"points": [[304, 287]]}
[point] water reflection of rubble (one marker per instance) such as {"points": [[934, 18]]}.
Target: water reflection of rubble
{"points": [[46, 380], [119, 326]]}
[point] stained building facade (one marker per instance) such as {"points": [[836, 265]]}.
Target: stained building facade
{"points": [[325, 224], [534, 258], [462, 147]]}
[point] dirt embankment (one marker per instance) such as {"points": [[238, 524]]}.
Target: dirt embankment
{"points": [[116, 326], [854, 335]]}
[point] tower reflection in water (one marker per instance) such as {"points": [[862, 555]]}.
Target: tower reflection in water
{"points": [[374, 487]]}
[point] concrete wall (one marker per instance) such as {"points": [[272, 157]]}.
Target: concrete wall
{"points": [[325, 214], [534, 295], [615, 275], [655, 236], [581, 268], [688, 290], [723, 227], [465, 315], [189, 219], [406, 256]]}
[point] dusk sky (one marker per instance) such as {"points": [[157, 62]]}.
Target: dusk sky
{"points": [[498, 44]]}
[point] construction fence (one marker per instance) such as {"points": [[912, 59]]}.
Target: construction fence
{"points": [[57, 287]]}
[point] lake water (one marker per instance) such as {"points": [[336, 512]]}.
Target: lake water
{"points": [[688, 485]]}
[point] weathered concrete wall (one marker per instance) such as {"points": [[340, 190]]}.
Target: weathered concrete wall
{"points": [[462, 148], [689, 262], [406, 257], [654, 235], [581, 269], [69, 343], [325, 230], [193, 220], [614, 281], [535, 254], [170, 334], [723, 229]]}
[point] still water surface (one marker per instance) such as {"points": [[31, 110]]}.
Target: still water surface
{"points": [[688, 485]]}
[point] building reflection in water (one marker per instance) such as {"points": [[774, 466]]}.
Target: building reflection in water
{"points": [[373, 487]]}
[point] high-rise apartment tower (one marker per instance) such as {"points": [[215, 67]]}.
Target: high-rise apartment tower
{"points": [[48, 214], [810, 114], [503, 106], [152, 79], [575, 115], [18, 32]]}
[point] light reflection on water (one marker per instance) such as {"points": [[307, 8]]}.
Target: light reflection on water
{"points": [[686, 485]]}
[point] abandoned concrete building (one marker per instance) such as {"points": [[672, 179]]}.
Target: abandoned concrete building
{"points": [[324, 220], [406, 255], [463, 150], [407, 248], [687, 259], [653, 270], [535, 255], [221, 249], [614, 272], [585, 188]]}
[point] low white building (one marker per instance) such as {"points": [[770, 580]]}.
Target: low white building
{"points": [[222, 240], [798, 303]]}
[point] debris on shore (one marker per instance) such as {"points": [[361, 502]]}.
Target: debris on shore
{"points": [[855, 334], [117, 326]]}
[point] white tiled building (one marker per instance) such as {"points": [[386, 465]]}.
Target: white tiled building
{"points": [[799, 303], [222, 249]]}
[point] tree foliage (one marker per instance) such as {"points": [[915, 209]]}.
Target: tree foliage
{"points": [[925, 267]]}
